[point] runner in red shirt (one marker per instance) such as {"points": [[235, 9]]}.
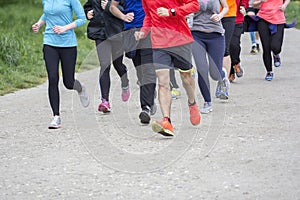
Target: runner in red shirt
{"points": [[171, 42]]}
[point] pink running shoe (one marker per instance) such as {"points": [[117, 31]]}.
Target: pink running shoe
{"points": [[125, 93], [104, 106]]}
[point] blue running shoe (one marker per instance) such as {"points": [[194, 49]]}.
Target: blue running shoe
{"points": [[269, 76], [277, 61], [207, 108]]}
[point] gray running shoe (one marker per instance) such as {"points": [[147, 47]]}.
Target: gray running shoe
{"points": [[218, 89], [84, 98], [55, 123], [221, 85], [224, 89], [277, 61], [207, 107], [153, 109], [239, 71], [145, 116]]}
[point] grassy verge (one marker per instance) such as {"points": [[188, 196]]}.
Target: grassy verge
{"points": [[292, 12], [21, 59]]}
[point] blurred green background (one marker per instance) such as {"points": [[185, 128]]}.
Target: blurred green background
{"points": [[21, 59]]}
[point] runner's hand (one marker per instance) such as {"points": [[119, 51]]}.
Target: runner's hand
{"points": [[215, 18], [128, 17], [242, 10], [90, 14], [36, 27], [139, 35], [59, 29], [103, 4], [163, 11], [282, 7]]}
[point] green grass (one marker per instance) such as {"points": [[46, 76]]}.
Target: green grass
{"points": [[293, 12], [21, 59]]}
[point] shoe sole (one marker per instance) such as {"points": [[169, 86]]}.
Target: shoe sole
{"points": [[240, 73], [103, 109], [145, 118], [269, 78], [175, 96], [206, 112], [277, 65], [54, 127], [125, 99], [85, 103], [157, 128], [195, 123], [223, 97]]}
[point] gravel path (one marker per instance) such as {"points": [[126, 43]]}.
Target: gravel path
{"points": [[247, 148]]}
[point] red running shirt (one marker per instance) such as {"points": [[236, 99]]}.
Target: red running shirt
{"points": [[168, 31]]}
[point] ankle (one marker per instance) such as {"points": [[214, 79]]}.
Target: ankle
{"points": [[167, 119], [191, 104]]}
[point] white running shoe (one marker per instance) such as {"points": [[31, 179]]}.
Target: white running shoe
{"points": [[55, 123]]}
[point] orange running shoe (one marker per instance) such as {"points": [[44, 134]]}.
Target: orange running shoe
{"points": [[195, 116], [163, 127]]}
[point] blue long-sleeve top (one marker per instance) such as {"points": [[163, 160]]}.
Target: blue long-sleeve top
{"points": [[59, 13]]}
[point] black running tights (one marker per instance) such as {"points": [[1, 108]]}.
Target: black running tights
{"points": [[67, 57], [270, 42]]}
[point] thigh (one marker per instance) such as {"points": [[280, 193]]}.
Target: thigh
{"points": [[264, 33], [104, 51], [145, 49], [182, 57], [117, 49], [199, 50], [215, 50], [130, 44], [277, 38], [51, 58], [162, 59], [228, 24], [68, 56], [236, 36]]}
